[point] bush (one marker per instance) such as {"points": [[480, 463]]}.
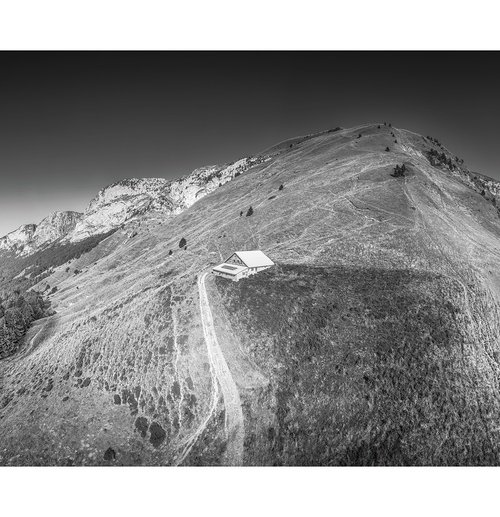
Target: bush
{"points": [[170, 252], [399, 171], [249, 212], [182, 243], [437, 159], [387, 149], [241, 213], [280, 187]]}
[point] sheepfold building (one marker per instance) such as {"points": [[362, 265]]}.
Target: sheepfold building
{"points": [[242, 264]]}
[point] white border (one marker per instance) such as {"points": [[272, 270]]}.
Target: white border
{"points": [[286, 491], [259, 24]]}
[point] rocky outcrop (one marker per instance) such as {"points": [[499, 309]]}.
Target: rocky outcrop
{"points": [[18, 239], [130, 198], [55, 226], [31, 237]]}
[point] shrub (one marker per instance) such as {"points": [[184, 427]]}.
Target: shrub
{"points": [[280, 187], [182, 243], [249, 212], [437, 159], [399, 171], [241, 213], [387, 149], [170, 252]]}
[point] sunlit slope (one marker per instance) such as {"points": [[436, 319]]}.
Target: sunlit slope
{"points": [[123, 366]]}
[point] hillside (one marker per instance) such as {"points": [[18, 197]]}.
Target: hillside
{"points": [[374, 341]]}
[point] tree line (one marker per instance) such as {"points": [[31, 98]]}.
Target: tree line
{"points": [[17, 313]]}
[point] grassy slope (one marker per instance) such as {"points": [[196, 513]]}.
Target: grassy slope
{"points": [[366, 368], [124, 354]]}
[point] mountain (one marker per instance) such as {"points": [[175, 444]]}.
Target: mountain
{"points": [[373, 341], [122, 201], [31, 237], [18, 239]]}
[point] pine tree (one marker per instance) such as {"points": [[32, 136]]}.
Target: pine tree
{"points": [[249, 211]]}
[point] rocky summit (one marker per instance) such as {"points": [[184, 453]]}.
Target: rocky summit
{"points": [[374, 340]]}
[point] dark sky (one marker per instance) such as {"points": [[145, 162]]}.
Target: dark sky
{"points": [[71, 123]]}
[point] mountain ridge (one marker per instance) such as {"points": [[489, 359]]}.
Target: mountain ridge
{"points": [[122, 201]]}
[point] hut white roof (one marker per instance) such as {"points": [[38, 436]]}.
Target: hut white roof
{"points": [[255, 258]]}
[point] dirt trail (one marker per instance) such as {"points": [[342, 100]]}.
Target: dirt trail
{"points": [[222, 377], [232, 402]]}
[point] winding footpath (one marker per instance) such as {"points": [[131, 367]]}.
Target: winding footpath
{"points": [[221, 376]]}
